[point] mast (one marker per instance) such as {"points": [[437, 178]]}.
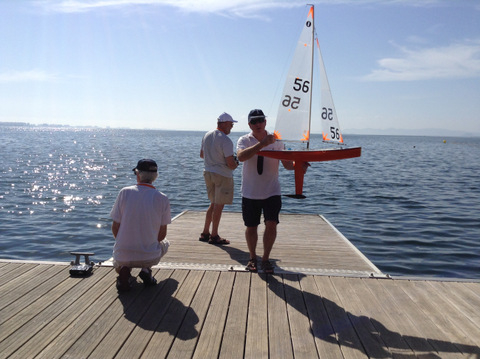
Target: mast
{"points": [[311, 76]]}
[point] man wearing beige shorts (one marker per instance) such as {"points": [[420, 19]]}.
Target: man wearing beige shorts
{"points": [[217, 153]]}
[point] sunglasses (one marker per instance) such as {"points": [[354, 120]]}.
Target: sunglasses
{"points": [[258, 120]]}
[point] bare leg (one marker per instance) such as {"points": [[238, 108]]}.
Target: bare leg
{"points": [[217, 215], [251, 236], [208, 219], [269, 238]]}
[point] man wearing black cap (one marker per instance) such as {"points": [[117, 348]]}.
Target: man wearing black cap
{"points": [[217, 153], [140, 216], [260, 188]]}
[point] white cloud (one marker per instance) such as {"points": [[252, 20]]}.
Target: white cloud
{"points": [[231, 7], [27, 76], [448, 62]]}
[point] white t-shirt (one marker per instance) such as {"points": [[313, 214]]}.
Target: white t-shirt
{"points": [[254, 185], [216, 146], [140, 210]]}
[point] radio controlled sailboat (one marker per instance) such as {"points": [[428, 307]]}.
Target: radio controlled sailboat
{"points": [[294, 113]]}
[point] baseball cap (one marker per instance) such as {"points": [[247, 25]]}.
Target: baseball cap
{"points": [[146, 165], [225, 117], [255, 114]]}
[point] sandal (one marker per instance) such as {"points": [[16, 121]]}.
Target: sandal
{"points": [[218, 241], [267, 267], [252, 265], [124, 280], [147, 278], [204, 237]]}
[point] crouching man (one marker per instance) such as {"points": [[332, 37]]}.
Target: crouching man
{"points": [[140, 216]]}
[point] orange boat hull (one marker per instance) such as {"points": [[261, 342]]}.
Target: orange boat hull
{"points": [[300, 157]]}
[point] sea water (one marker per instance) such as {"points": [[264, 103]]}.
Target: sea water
{"points": [[410, 204]]}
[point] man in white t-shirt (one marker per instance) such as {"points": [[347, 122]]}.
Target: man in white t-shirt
{"points": [[140, 216], [260, 188], [217, 153]]}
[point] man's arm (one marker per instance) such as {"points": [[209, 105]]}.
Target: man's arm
{"points": [[231, 163], [251, 151], [162, 233], [115, 228]]}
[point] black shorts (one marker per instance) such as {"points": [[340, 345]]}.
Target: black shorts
{"points": [[252, 210]]}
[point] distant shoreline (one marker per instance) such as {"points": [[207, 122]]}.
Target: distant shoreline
{"points": [[429, 132]]}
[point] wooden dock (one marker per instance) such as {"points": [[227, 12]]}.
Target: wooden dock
{"points": [[326, 300]]}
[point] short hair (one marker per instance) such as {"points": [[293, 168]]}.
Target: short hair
{"points": [[147, 177]]}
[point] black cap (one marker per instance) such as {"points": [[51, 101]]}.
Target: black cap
{"points": [[254, 114], [146, 165]]}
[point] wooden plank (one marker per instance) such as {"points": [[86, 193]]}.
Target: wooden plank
{"points": [[459, 330], [133, 312], [378, 310], [301, 334], [30, 312], [350, 344], [418, 330], [166, 331], [26, 283], [322, 330], [256, 342], [16, 274], [210, 339], [233, 344], [20, 302], [147, 325], [372, 343], [31, 338], [280, 344], [464, 299], [325, 248], [186, 340], [103, 324]]}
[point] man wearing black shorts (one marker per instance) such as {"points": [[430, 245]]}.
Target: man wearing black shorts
{"points": [[260, 188]]}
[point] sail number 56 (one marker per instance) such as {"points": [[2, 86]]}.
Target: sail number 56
{"points": [[299, 85], [327, 113]]}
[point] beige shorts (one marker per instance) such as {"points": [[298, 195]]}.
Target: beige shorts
{"points": [[219, 188], [148, 263]]}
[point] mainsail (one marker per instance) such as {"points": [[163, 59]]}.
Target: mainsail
{"points": [[293, 117], [294, 112]]}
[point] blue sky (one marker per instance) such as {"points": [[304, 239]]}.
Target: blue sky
{"points": [[168, 64]]}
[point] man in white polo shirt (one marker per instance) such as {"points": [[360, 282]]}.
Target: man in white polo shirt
{"points": [[140, 216], [260, 188], [217, 153]]}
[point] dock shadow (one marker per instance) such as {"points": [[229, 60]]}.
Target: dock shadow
{"points": [[339, 332], [155, 309]]}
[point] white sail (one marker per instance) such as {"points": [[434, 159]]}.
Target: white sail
{"points": [[293, 117], [330, 126]]}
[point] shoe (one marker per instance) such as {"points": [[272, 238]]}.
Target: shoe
{"points": [[124, 280], [204, 237], [252, 266], [267, 267], [218, 241], [148, 279]]}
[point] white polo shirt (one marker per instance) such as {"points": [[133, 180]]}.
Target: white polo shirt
{"points": [[254, 185], [140, 210]]}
